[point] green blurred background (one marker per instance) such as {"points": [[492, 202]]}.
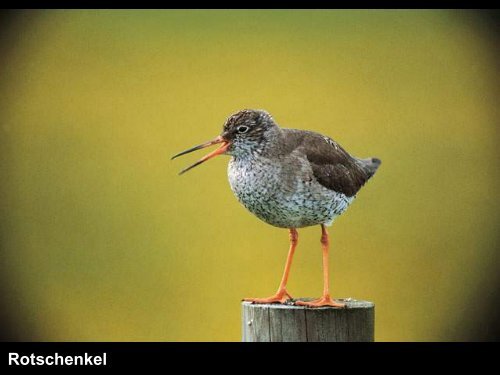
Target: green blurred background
{"points": [[101, 240]]}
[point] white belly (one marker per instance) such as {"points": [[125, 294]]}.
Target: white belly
{"points": [[280, 198]]}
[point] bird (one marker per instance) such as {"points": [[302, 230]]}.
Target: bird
{"points": [[290, 179]]}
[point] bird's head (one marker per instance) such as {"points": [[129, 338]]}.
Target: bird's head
{"points": [[244, 133]]}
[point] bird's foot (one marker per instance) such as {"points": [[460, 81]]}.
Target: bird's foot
{"points": [[281, 296], [326, 300]]}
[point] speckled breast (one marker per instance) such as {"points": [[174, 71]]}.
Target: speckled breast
{"points": [[284, 197]]}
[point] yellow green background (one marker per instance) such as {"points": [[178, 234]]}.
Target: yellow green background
{"points": [[102, 240]]}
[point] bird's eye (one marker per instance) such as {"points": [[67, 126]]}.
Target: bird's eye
{"points": [[242, 129]]}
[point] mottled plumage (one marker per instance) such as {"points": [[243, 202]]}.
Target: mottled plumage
{"points": [[291, 178]]}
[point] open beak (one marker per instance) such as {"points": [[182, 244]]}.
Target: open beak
{"points": [[222, 149]]}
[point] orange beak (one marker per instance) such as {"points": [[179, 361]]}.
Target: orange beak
{"points": [[222, 149]]}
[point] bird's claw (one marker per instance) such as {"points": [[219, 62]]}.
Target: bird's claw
{"points": [[282, 296], [320, 302]]}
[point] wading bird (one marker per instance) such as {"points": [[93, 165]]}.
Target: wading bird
{"points": [[290, 179]]}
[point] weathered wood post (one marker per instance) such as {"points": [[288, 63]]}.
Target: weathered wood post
{"points": [[275, 322]]}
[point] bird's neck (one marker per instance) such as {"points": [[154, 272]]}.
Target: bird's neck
{"points": [[257, 150]]}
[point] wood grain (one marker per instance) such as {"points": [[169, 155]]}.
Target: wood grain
{"points": [[288, 323]]}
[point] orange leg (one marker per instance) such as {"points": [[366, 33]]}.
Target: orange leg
{"points": [[281, 295], [325, 300]]}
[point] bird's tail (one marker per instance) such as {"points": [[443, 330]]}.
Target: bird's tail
{"points": [[369, 165]]}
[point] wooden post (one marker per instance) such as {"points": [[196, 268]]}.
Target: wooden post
{"points": [[275, 322]]}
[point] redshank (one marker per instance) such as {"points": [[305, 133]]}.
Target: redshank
{"points": [[290, 179]]}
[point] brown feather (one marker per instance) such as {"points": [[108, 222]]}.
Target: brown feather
{"points": [[332, 166]]}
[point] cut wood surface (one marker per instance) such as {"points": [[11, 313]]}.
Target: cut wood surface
{"points": [[276, 322]]}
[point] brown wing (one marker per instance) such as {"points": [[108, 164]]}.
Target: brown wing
{"points": [[332, 166]]}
